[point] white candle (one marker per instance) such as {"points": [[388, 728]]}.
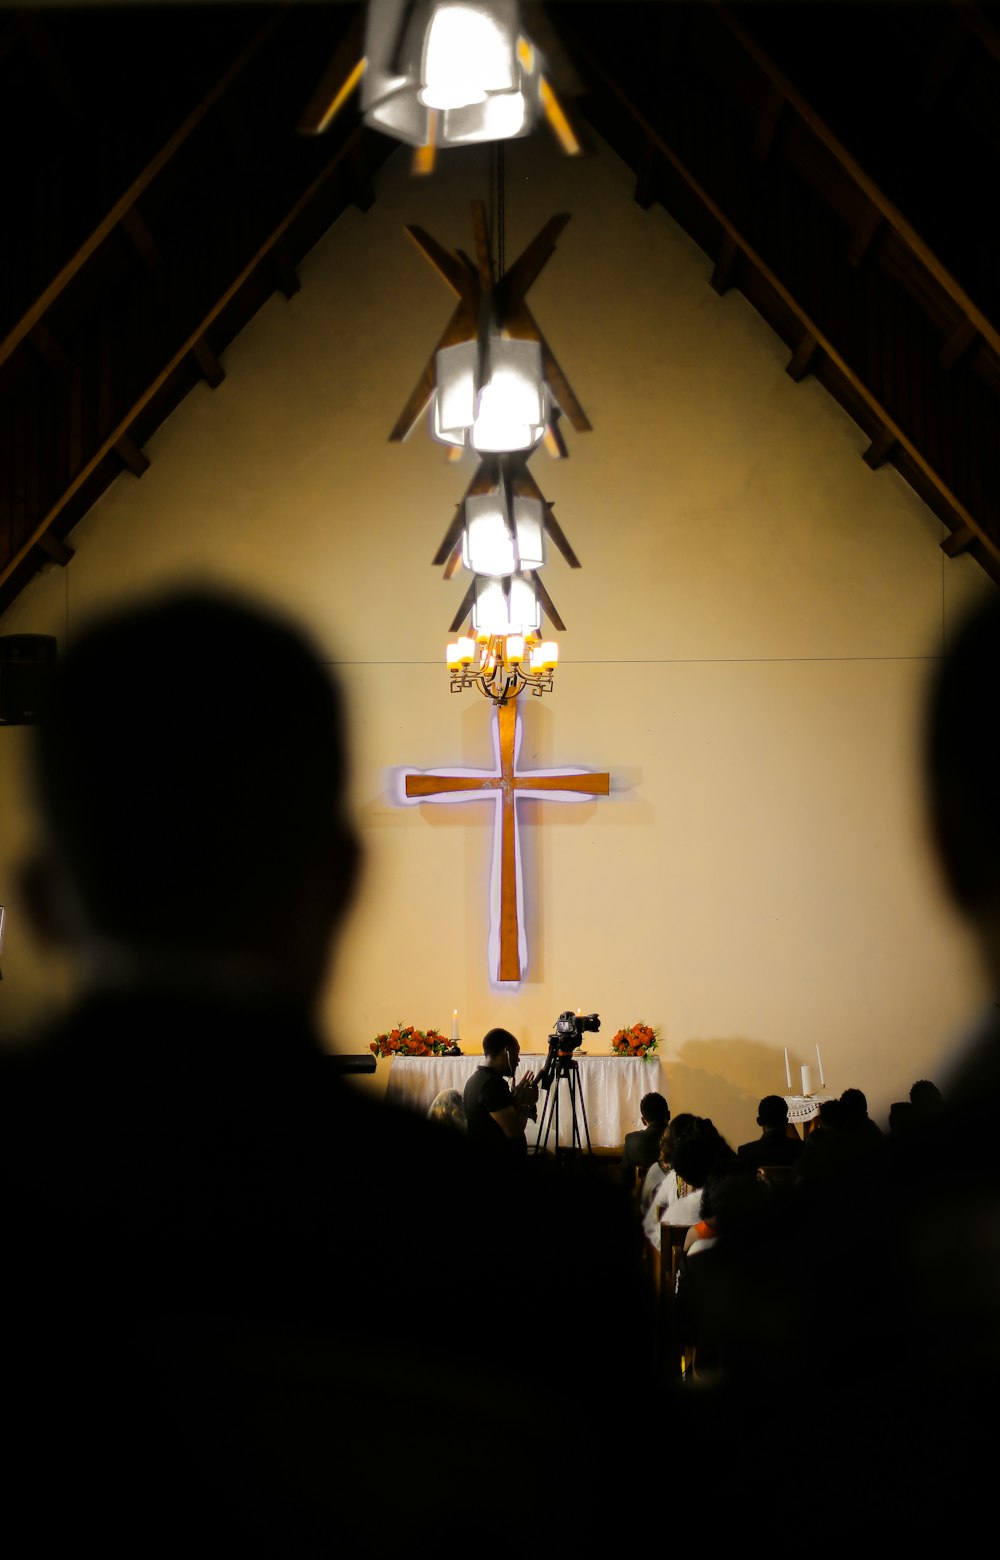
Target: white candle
{"points": [[819, 1063], [807, 1080], [788, 1072], [454, 1024]]}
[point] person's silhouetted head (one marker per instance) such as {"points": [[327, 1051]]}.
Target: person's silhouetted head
{"points": [[854, 1104], [830, 1116], [901, 1114], [772, 1112], [963, 771], [696, 1156], [926, 1097], [654, 1110], [191, 770]]}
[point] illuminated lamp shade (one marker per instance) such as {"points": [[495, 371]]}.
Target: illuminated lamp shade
{"points": [[455, 399], [469, 52], [513, 402], [465, 63], [506, 606], [487, 545], [545, 657], [491, 544], [507, 412], [529, 530]]}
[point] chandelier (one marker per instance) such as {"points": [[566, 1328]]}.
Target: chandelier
{"points": [[502, 665]]}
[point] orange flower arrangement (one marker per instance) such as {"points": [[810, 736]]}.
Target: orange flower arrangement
{"points": [[637, 1040], [404, 1040]]}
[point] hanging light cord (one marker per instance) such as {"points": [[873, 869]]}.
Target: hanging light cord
{"points": [[498, 206], [501, 211]]}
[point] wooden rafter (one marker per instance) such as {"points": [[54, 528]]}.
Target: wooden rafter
{"points": [[740, 247], [85, 469], [115, 214]]}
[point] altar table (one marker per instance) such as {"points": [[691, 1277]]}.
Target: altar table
{"points": [[611, 1088]]}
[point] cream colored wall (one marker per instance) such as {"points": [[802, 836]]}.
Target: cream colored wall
{"points": [[748, 644]]}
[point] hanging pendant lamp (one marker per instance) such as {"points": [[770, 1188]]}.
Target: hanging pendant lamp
{"points": [[448, 72]]}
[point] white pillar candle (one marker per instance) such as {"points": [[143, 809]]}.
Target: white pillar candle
{"points": [[788, 1072], [807, 1080], [819, 1064], [454, 1024]]}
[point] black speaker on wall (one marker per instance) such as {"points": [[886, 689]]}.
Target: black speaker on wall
{"points": [[27, 666]]}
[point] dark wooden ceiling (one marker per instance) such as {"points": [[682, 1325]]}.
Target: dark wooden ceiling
{"points": [[839, 164]]}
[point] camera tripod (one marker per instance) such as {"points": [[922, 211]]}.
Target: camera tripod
{"points": [[564, 1070]]}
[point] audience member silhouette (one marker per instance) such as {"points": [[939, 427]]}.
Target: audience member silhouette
{"points": [[925, 1098], [774, 1146], [241, 1297], [884, 1296], [855, 1118], [901, 1117], [641, 1149]]}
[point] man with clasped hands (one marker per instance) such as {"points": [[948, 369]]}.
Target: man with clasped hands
{"points": [[496, 1114]]}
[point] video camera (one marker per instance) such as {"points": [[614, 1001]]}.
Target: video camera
{"points": [[568, 1032]]}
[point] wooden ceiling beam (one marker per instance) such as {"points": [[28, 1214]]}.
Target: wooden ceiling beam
{"points": [[131, 455], [866, 231], [51, 351], [958, 344], [142, 240], [88, 467], [724, 270], [889, 213], [47, 297], [285, 274], [958, 541], [802, 358], [768, 123], [211, 369], [55, 548], [806, 325], [880, 448]]}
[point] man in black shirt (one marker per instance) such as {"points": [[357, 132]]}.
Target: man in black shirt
{"points": [[496, 1114], [642, 1149], [774, 1146]]}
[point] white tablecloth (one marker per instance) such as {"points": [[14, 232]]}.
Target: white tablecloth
{"points": [[805, 1107], [611, 1088]]}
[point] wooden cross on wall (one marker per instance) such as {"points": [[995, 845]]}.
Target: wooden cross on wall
{"points": [[508, 943]]}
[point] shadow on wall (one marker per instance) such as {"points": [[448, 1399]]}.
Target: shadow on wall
{"points": [[725, 1079]]}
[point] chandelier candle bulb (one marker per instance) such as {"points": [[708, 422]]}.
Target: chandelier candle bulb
{"points": [[515, 649], [466, 650], [788, 1072], [453, 658], [819, 1064], [807, 1080]]}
